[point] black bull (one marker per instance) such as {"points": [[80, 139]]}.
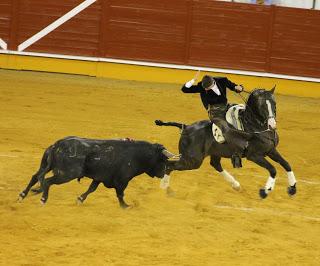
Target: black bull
{"points": [[111, 162]]}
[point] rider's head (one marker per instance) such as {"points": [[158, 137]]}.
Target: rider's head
{"points": [[207, 82]]}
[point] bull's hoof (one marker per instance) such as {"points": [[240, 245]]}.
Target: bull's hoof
{"points": [[43, 201], [22, 195], [263, 193], [124, 206], [158, 122], [292, 190], [80, 200]]}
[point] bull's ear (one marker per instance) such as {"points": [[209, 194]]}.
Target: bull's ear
{"points": [[273, 89]]}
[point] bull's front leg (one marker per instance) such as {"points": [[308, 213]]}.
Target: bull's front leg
{"points": [[120, 187], [93, 186]]}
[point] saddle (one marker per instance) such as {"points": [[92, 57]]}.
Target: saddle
{"points": [[232, 118]]}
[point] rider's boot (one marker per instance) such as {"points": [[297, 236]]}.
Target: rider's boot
{"points": [[238, 140], [236, 160]]}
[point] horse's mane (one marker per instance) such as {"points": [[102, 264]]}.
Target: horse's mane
{"points": [[253, 95]]}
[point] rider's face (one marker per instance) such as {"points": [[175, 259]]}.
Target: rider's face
{"points": [[210, 87]]}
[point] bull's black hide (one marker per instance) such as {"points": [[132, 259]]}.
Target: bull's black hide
{"points": [[111, 162]]}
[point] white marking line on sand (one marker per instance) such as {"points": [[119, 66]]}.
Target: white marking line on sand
{"points": [[308, 182], [55, 24], [268, 211], [3, 44], [9, 156]]}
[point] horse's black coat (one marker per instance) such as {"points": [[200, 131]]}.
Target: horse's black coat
{"points": [[111, 162], [197, 142]]}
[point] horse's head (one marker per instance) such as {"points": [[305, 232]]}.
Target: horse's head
{"points": [[263, 105]]}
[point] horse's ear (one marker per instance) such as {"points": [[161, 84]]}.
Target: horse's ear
{"points": [[273, 89]]}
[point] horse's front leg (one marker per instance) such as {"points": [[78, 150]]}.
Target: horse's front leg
{"points": [[276, 156], [261, 161]]}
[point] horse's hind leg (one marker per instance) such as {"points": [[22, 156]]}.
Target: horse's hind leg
{"points": [[216, 163], [261, 161], [180, 165], [276, 156]]}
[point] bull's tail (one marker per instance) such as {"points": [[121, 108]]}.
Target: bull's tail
{"points": [[172, 124], [46, 162], [45, 167]]}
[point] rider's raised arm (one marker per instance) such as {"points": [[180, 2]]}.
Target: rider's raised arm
{"points": [[189, 87]]}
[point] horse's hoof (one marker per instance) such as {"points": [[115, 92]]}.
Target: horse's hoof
{"points": [[263, 193], [236, 186], [170, 192], [292, 190]]}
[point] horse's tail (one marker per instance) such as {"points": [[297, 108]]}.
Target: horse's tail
{"points": [[172, 124]]}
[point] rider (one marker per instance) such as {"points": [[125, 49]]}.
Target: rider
{"points": [[213, 95]]}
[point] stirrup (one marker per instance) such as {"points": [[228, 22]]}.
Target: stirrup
{"points": [[236, 161]]}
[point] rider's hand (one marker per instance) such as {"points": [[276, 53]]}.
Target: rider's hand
{"points": [[238, 88], [191, 82]]}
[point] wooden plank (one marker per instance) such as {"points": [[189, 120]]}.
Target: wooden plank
{"points": [[296, 42]]}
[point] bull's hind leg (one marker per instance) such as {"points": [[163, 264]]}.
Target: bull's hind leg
{"points": [[34, 179], [45, 167], [93, 186], [261, 161], [276, 156], [216, 163], [46, 183]]}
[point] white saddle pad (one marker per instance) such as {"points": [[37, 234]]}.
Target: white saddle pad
{"points": [[232, 116], [217, 133]]}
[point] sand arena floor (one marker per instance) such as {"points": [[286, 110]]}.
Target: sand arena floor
{"points": [[205, 222]]}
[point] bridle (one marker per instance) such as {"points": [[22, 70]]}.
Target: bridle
{"points": [[265, 122]]}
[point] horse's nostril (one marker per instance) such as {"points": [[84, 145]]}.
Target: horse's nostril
{"points": [[272, 122]]}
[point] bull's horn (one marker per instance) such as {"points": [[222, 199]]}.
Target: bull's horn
{"points": [[170, 155]]}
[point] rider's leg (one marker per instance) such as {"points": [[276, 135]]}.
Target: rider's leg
{"points": [[236, 139]]}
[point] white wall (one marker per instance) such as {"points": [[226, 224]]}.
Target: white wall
{"points": [[294, 3], [289, 3]]}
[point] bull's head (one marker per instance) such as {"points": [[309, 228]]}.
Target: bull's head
{"points": [[161, 164]]}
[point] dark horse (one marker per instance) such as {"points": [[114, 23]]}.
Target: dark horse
{"points": [[258, 119]]}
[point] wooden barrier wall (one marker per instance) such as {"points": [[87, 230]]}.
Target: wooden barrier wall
{"points": [[203, 33]]}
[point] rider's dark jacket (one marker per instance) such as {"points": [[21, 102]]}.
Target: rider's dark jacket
{"points": [[210, 97]]}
